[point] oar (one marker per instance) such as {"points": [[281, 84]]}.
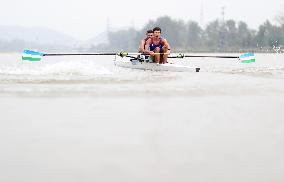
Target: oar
{"points": [[36, 56], [245, 58]]}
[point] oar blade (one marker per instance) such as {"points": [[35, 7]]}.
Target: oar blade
{"points": [[31, 55], [247, 57]]}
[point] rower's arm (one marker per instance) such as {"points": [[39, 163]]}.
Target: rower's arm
{"points": [[141, 48], [147, 46], [167, 45]]}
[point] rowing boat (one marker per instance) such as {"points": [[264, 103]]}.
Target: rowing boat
{"points": [[144, 65], [139, 61]]}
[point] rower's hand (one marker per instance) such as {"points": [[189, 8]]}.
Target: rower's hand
{"points": [[152, 53]]}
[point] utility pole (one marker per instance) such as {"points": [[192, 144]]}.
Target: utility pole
{"points": [[223, 14], [222, 32], [202, 15], [108, 26], [133, 24]]}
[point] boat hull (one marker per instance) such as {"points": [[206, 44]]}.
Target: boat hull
{"points": [[154, 66]]}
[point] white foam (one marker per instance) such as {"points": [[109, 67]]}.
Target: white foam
{"points": [[81, 68]]}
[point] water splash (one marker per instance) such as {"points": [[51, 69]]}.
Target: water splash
{"points": [[82, 68], [278, 49]]}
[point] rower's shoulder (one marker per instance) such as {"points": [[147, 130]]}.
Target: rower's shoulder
{"points": [[165, 40], [148, 41]]}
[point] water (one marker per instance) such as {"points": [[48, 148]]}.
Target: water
{"points": [[92, 76], [83, 119]]}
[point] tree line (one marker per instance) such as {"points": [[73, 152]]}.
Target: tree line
{"points": [[216, 36], [228, 36]]}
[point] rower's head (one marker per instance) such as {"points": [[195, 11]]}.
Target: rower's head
{"points": [[157, 31], [149, 34]]}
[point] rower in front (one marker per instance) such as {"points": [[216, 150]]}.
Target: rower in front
{"points": [[149, 34], [157, 47]]}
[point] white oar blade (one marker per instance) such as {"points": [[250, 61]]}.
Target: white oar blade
{"points": [[247, 57], [31, 55]]}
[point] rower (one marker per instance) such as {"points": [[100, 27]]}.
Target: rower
{"points": [[149, 34], [158, 47]]}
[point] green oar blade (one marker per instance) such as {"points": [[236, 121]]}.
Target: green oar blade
{"points": [[247, 57], [31, 55]]}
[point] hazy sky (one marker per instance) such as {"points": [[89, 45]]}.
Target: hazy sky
{"points": [[84, 19]]}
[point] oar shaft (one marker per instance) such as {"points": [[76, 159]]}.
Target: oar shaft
{"points": [[113, 54], [183, 56], [196, 56], [81, 54]]}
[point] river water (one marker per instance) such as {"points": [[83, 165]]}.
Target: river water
{"points": [[84, 119]]}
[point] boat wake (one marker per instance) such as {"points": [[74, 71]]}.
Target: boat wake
{"points": [[63, 72], [276, 72], [82, 68]]}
